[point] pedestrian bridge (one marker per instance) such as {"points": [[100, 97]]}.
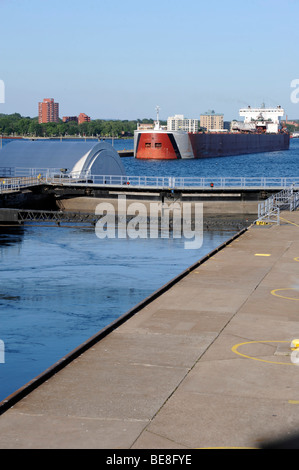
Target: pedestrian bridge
{"points": [[16, 178], [80, 193]]}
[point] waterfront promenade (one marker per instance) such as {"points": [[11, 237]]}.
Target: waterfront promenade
{"points": [[207, 364]]}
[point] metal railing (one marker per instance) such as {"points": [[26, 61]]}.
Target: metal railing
{"points": [[8, 185], [269, 210], [64, 176], [175, 182]]}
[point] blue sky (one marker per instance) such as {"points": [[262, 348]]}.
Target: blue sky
{"points": [[119, 59]]}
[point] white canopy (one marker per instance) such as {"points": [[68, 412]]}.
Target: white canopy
{"points": [[98, 158]]}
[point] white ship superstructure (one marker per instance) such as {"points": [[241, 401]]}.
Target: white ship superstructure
{"points": [[260, 119]]}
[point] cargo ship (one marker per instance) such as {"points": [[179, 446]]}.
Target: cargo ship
{"points": [[261, 131]]}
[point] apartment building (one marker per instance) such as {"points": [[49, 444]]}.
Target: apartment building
{"points": [[211, 121], [69, 118], [48, 111], [180, 123], [83, 118]]}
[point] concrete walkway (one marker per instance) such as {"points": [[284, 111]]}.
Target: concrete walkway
{"points": [[206, 365]]}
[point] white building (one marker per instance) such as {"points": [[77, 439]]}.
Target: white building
{"points": [[267, 118], [179, 123]]}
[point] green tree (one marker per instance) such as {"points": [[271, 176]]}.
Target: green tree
{"points": [[19, 125]]}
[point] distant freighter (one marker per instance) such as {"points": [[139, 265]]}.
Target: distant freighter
{"points": [[261, 131]]}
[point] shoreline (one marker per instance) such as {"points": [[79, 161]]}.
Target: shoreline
{"points": [[63, 137]]}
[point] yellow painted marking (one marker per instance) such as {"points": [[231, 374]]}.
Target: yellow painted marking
{"points": [[235, 350], [273, 292], [293, 402], [262, 254], [292, 223], [296, 259], [260, 222]]}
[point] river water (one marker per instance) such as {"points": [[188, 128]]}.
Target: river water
{"points": [[61, 285]]}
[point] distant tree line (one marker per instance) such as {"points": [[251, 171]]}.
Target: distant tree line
{"points": [[15, 124], [293, 127]]}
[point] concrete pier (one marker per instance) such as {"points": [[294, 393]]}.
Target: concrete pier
{"points": [[126, 153], [206, 364]]}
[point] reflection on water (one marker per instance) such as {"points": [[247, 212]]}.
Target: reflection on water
{"points": [[10, 236], [59, 286]]}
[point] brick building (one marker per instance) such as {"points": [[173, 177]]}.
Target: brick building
{"points": [[69, 118], [83, 118], [48, 111]]}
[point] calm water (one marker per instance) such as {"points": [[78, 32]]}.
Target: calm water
{"points": [[59, 286], [269, 164]]}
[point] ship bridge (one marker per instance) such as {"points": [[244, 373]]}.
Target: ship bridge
{"points": [[269, 118]]}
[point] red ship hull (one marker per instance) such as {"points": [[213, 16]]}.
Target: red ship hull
{"points": [[156, 146]]}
